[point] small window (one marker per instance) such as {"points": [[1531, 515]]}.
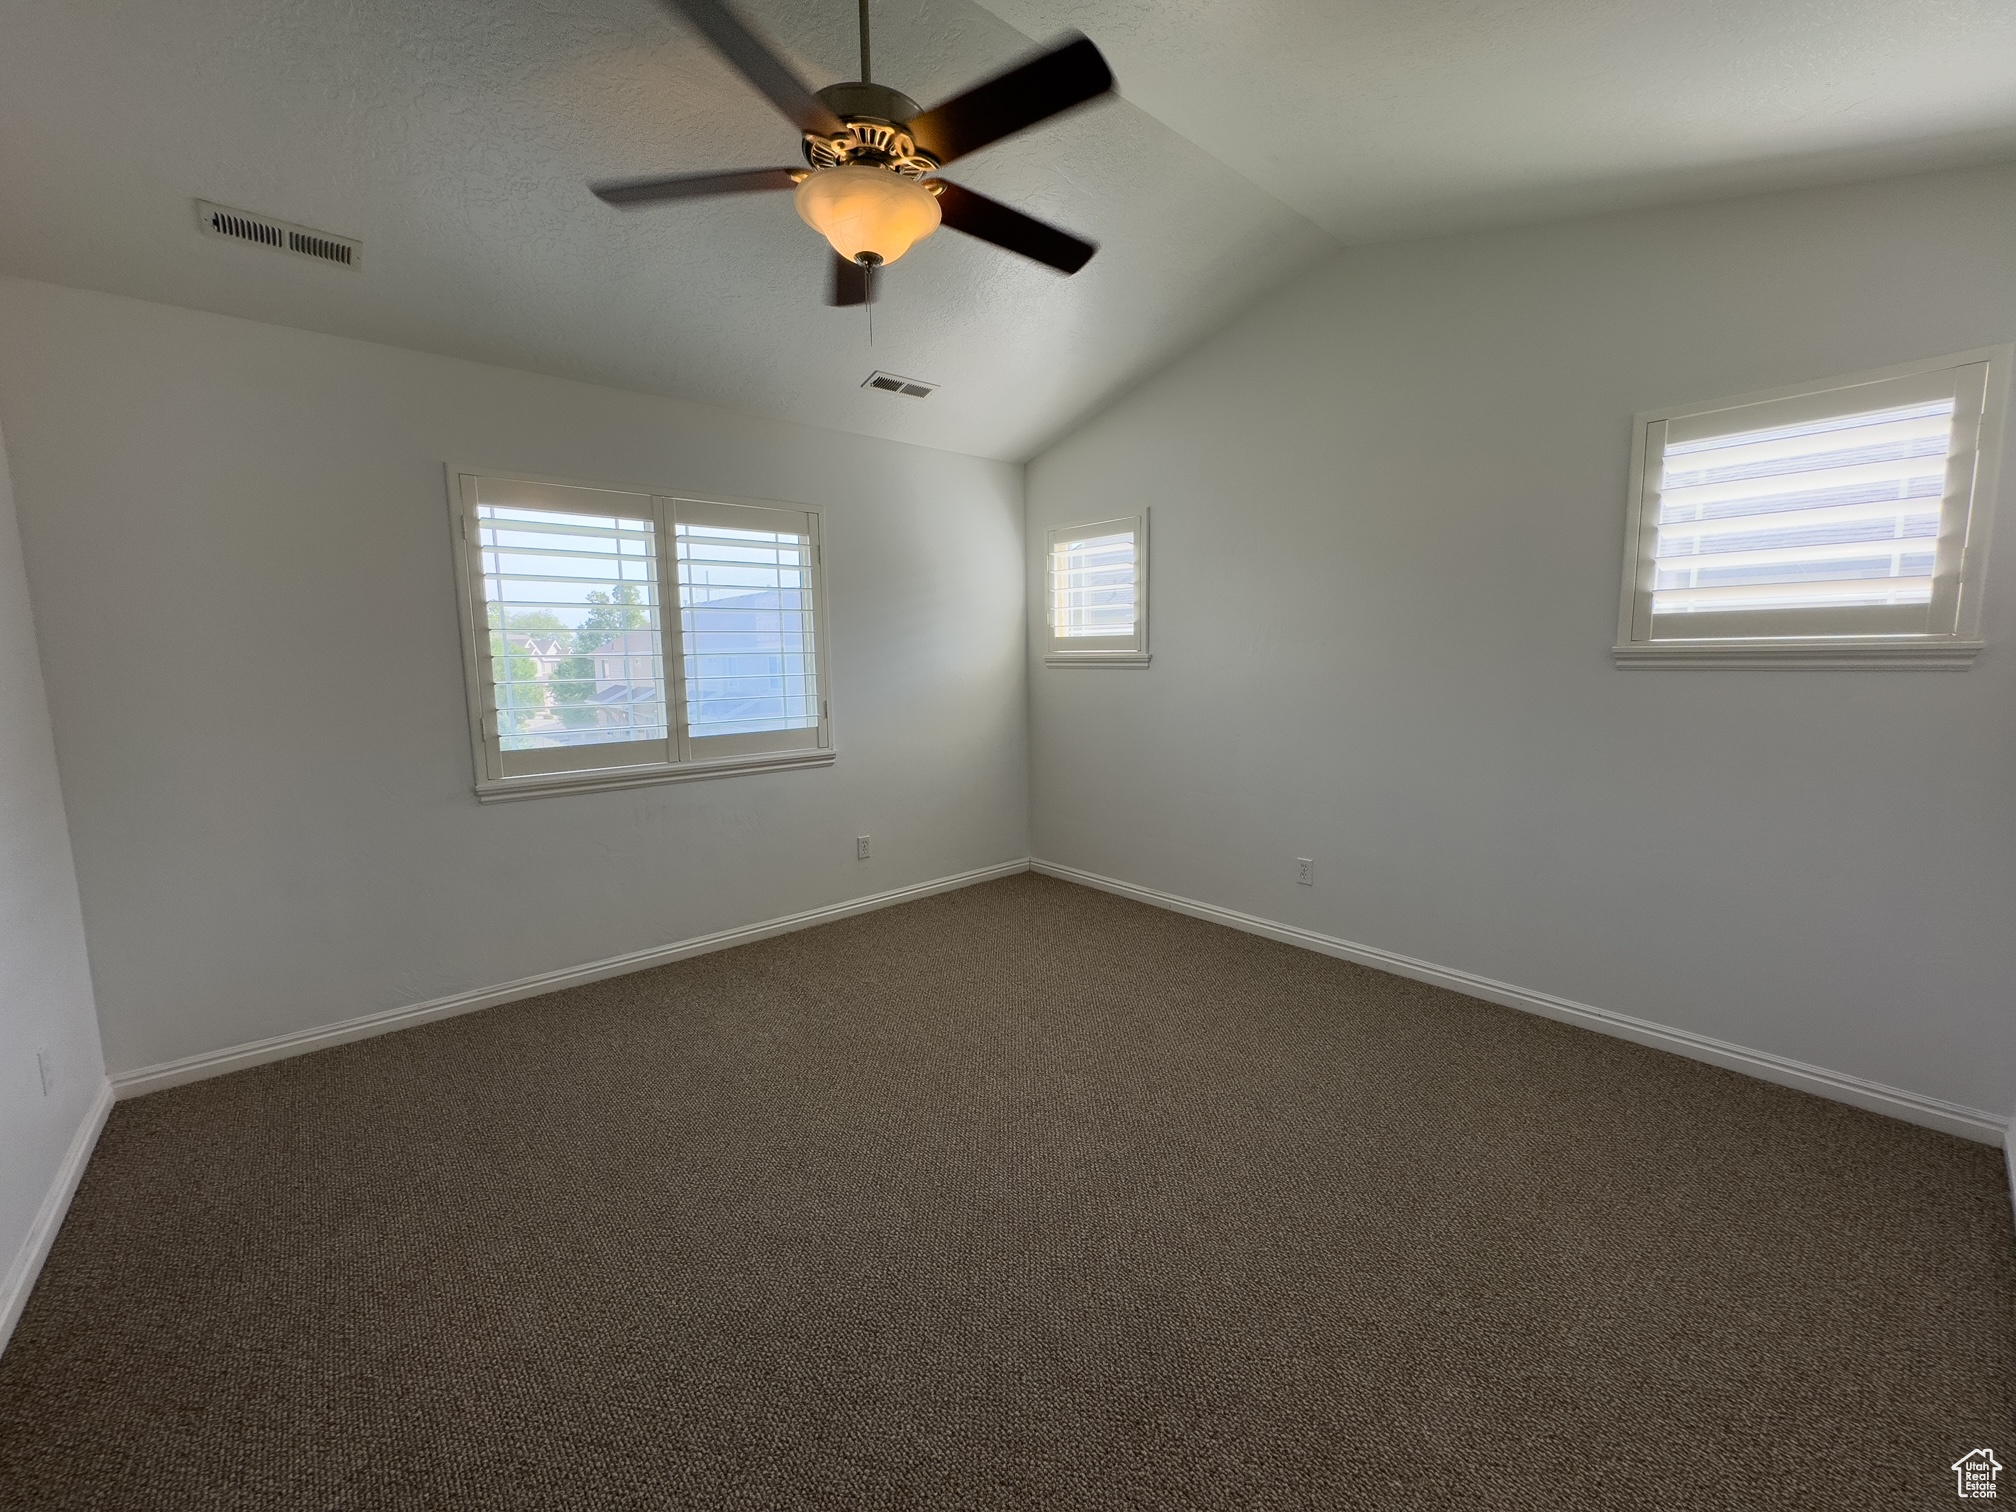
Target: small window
{"points": [[1097, 590], [1843, 524], [616, 638]]}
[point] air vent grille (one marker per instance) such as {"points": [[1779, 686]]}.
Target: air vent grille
{"points": [[281, 236], [896, 383]]}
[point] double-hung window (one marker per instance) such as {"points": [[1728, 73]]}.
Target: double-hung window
{"points": [[1840, 524], [1096, 588], [615, 638]]}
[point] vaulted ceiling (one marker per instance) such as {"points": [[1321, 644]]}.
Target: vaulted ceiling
{"points": [[454, 139], [1388, 118]]}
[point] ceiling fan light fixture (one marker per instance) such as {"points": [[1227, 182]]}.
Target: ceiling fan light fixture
{"points": [[872, 189], [868, 214]]}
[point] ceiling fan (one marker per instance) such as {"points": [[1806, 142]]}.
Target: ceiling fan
{"points": [[870, 189]]}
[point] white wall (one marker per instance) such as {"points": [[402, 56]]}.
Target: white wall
{"points": [[45, 980], [237, 538], [1388, 513]]}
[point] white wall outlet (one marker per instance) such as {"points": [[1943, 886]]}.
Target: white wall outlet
{"points": [[860, 847], [1305, 871], [45, 1067]]}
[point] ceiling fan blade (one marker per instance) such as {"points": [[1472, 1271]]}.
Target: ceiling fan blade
{"points": [[992, 221], [651, 191], [1045, 86], [771, 75], [852, 284]]}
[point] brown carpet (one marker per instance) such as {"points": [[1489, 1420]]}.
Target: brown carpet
{"points": [[1018, 1197]]}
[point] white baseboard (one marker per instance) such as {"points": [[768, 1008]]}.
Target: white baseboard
{"points": [[34, 1250], [1912, 1107], [2009, 1159], [239, 1057]]}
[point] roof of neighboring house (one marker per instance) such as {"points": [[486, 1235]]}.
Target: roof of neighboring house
{"points": [[628, 693]]}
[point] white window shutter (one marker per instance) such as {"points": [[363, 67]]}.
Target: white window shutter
{"points": [[1096, 593], [750, 628], [1838, 512], [1843, 524], [615, 637]]}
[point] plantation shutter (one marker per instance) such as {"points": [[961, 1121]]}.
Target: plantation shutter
{"points": [[749, 628], [614, 638], [570, 582], [1095, 584], [1843, 513]]}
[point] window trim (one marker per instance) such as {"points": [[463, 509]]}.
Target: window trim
{"points": [[1952, 648], [1068, 651], [492, 785]]}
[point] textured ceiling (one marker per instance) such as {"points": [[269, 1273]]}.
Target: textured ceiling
{"points": [[1385, 118], [454, 138]]}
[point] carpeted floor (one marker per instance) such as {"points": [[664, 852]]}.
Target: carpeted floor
{"points": [[1019, 1197]]}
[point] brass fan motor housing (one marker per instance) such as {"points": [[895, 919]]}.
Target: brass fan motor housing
{"points": [[876, 133]]}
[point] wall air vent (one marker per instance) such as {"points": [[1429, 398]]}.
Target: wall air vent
{"points": [[281, 236], [896, 383]]}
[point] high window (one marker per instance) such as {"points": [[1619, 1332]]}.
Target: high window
{"points": [[616, 638], [1097, 593], [1838, 524]]}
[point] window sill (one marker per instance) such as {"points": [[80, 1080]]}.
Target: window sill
{"points": [[1839, 654], [1095, 659], [550, 784]]}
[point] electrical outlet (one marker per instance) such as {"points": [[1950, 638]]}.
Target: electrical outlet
{"points": [[860, 847], [45, 1067], [1305, 871]]}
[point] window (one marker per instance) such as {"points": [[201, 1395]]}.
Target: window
{"points": [[617, 638], [1843, 524], [1097, 592]]}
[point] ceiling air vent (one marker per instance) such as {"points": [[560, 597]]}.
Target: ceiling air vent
{"points": [[281, 236], [896, 383]]}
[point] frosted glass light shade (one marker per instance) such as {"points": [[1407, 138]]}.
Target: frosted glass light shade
{"points": [[867, 210]]}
